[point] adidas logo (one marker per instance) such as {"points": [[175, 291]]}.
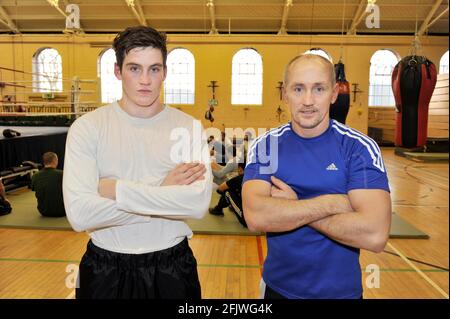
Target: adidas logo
{"points": [[332, 167]]}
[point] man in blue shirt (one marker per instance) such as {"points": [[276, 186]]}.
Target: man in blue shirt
{"points": [[319, 190]]}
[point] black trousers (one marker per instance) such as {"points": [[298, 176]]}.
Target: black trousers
{"points": [[166, 274], [269, 293], [222, 202]]}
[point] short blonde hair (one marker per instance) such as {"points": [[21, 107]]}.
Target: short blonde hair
{"points": [[49, 157], [310, 56]]}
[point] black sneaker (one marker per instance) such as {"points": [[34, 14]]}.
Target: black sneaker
{"points": [[216, 211]]}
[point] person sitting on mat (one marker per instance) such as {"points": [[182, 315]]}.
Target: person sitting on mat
{"points": [[223, 149], [47, 185], [2, 190], [230, 192], [230, 170], [5, 205]]}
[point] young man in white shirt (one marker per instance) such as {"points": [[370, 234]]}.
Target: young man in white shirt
{"points": [[126, 184]]}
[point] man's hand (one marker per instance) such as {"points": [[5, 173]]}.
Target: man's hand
{"points": [[280, 189], [107, 188], [182, 174], [185, 174]]}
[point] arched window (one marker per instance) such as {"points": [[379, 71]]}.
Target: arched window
{"points": [[380, 89], [443, 64], [111, 87], [247, 77], [179, 87], [320, 52], [47, 71]]}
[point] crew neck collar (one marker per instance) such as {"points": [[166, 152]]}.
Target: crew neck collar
{"points": [[139, 120]]}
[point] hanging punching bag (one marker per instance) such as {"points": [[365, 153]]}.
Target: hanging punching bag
{"points": [[339, 109], [413, 82]]}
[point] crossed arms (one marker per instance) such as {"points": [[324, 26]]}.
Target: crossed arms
{"points": [[93, 203], [360, 219]]}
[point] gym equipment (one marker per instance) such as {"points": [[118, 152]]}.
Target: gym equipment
{"points": [[9, 133], [339, 109], [413, 81], [19, 176]]}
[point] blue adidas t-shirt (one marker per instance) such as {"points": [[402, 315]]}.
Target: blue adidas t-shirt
{"points": [[303, 263]]}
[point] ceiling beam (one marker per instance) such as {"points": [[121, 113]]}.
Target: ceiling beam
{"points": [[437, 18], [284, 17], [425, 22], [6, 20], [140, 12], [212, 15], [265, 3], [54, 4], [92, 16], [357, 17], [136, 7]]}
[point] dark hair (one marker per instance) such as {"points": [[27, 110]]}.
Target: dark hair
{"points": [[139, 37], [242, 165]]}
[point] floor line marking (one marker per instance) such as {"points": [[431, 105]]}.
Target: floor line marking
{"points": [[260, 252], [431, 282], [211, 265], [417, 261]]}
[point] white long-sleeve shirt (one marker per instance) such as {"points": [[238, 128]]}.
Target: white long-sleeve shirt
{"points": [[138, 153]]}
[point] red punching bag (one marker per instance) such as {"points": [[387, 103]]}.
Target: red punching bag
{"points": [[413, 82], [339, 109]]}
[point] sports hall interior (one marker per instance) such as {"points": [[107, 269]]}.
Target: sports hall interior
{"points": [[369, 37]]}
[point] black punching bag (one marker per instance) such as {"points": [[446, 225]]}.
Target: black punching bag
{"points": [[413, 82], [339, 109]]}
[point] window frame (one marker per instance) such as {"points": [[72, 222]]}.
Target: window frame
{"points": [[259, 86], [385, 79], [99, 75], [38, 74], [189, 77], [446, 66]]}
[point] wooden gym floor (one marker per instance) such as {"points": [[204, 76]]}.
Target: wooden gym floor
{"points": [[41, 263]]}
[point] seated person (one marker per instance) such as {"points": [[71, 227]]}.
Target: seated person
{"points": [[230, 170], [223, 149], [247, 141], [231, 196], [47, 183], [219, 153], [210, 142], [5, 206]]}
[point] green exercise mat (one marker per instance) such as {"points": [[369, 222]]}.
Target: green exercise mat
{"points": [[25, 215]]}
